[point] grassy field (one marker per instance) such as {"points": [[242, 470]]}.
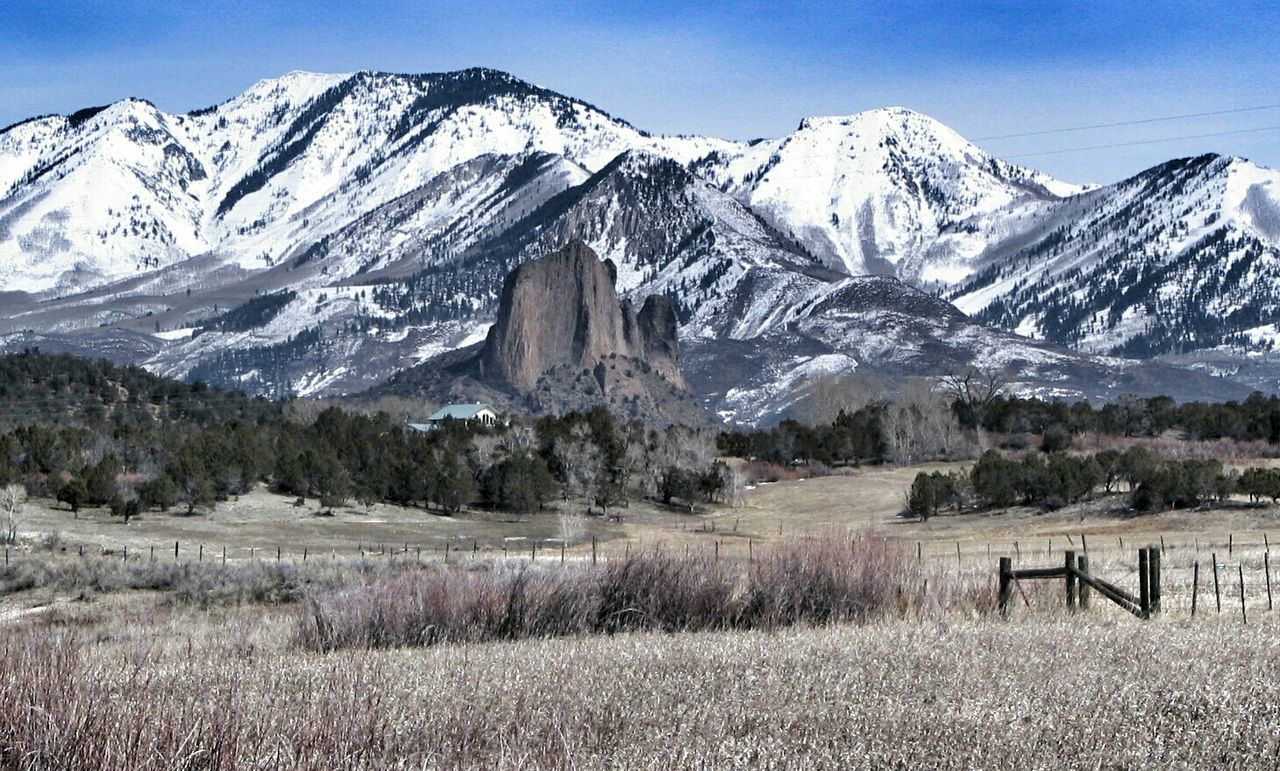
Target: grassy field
{"points": [[120, 685], [164, 663], [867, 499]]}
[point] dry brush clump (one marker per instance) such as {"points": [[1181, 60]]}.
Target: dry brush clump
{"points": [[814, 581]]}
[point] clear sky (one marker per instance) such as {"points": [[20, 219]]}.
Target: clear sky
{"points": [[740, 70]]}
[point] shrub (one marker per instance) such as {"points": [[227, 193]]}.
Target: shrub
{"points": [[995, 480], [806, 582], [932, 492], [1056, 439], [1259, 483]]}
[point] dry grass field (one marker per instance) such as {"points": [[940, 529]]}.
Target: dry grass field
{"points": [[122, 685], [163, 663]]}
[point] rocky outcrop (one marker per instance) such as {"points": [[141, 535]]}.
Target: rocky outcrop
{"points": [[563, 310], [563, 341]]}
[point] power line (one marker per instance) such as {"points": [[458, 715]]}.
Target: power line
{"points": [[1131, 122], [1145, 142]]}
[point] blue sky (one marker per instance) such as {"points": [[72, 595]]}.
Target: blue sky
{"points": [[742, 69]]}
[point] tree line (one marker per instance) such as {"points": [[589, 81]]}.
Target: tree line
{"points": [[1255, 418], [1056, 479]]}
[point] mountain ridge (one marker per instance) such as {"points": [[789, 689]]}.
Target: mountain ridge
{"points": [[382, 211]]}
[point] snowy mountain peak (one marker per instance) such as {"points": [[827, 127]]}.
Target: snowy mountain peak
{"points": [[873, 191]]}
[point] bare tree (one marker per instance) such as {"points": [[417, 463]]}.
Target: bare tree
{"points": [[580, 459], [678, 447], [973, 392], [920, 424], [519, 439], [12, 500], [572, 526], [486, 450], [830, 394], [733, 484]]}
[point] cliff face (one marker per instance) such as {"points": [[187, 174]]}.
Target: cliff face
{"points": [[563, 310], [563, 341]]}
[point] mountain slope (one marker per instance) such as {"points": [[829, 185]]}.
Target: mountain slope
{"points": [[1181, 257]]}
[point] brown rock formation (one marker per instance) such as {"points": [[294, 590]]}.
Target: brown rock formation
{"points": [[563, 309]]}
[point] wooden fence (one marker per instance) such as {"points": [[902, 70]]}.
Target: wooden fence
{"points": [[1079, 582]]}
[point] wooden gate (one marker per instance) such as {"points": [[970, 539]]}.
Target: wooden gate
{"points": [[1079, 583]]}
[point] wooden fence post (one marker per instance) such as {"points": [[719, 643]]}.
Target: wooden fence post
{"points": [[1217, 595], [1244, 615], [1195, 587], [1153, 564], [1082, 564], [175, 550], [1266, 566], [1144, 583], [200, 556], [1006, 585], [224, 555], [593, 549], [1069, 579], [1231, 538]]}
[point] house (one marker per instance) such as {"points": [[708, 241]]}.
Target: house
{"points": [[479, 413]]}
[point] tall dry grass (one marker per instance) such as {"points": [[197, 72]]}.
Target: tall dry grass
{"points": [[186, 689]]}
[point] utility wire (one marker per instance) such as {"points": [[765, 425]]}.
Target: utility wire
{"points": [[1145, 142], [1130, 122]]}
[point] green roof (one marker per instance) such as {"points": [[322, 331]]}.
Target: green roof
{"points": [[458, 412]]}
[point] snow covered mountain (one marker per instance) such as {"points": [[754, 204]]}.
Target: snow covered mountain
{"points": [[1182, 257], [883, 192], [106, 193], [319, 233]]}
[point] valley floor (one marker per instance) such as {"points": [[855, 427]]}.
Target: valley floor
{"points": [[867, 500]]}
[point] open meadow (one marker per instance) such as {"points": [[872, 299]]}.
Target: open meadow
{"points": [[810, 627], [266, 527]]}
